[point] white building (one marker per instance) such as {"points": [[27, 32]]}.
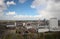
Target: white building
{"points": [[53, 24]]}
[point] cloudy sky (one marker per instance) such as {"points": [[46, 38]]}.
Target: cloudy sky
{"points": [[29, 9]]}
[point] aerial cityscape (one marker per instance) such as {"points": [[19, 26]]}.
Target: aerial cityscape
{"points": [[29, 19]]}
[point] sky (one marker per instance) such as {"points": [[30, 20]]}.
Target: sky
{"points": [[29, 9]]}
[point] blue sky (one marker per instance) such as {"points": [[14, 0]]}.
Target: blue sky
{"points": [[19, 10], [29, 9], [22, 8]]}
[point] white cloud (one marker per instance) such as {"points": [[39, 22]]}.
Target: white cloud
{"points": [[2, 7], [32, 6], [37, 3], [52, 8], [8, 16], [20, 17], [22, 1], [10, 3], [1, 2], [11, 13], [14, 16], [27, 17]]}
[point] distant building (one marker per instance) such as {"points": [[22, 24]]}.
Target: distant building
{"points": [[36, 24]]}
